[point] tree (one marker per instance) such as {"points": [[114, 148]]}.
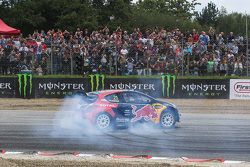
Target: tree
{"points": [[180, 8], [235, 22], [209, 15]]}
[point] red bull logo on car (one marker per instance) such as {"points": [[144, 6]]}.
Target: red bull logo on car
{"points": [[147, 113]]}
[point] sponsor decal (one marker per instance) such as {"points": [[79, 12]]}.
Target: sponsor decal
{"points": [[170, 80], [5, 86], [97, 80], [146, 112], [60, 86], [132, 86], [242, 87], [7, 89], [25, 81], [204, 89]]}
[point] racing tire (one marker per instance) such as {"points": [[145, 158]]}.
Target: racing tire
{"points": [[168, 119], [104, 121]]}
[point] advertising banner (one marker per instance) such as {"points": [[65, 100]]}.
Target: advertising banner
{"points": [[156, 87], [202, 88], [25, 86], [240, 89], [58, 87], [165, 86], [7, 87]]}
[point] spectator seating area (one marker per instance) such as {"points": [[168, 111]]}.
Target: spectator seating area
{"points": [[150, 52]]}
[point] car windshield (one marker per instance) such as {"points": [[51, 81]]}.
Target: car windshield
{"points": [[91, 97]]}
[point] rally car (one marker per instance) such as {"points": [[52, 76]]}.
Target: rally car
{"points": [[124, 108]]}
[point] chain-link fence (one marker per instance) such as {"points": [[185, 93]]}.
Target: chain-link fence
{"points": [[181, 59], [224, 60]]}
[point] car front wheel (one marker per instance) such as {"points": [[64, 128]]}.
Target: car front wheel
{"points": [[104, 121], [168, 119]]}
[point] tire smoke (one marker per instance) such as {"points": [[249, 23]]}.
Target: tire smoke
{"points": [[69, 121]]}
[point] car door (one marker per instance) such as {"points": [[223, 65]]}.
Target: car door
{"points": [[138, 105], [122, 112]]}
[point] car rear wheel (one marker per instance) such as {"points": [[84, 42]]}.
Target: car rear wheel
{"points": [[104, 121], [168, 119]]}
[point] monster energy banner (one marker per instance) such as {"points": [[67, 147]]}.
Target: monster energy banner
{"points": [[58, 87], [162, 87], [202, 88], [97, 82], [168, 85], [165, 86], [7, 87], [25, 85]]}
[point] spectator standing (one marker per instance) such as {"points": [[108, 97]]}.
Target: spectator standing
{"points": [[5, 62], [139, 67], [39, 70], [130, 66], [204, 40], [210, 66], [223, 68], [238, 67], [104, 63], [39, 51]]}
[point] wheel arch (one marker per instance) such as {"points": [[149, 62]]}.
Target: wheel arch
{"points": [[173, 110]]}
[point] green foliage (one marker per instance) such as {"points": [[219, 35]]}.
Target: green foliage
{"points": [[235, 22], [209, 15], [29, 15], [178, 8]]}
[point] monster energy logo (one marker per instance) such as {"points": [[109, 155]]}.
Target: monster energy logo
{"points": [[23, 82], [99, 81], [171, 81]]}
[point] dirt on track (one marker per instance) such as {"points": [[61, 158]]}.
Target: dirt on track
{"points": [[101, 161], [196, 105]]}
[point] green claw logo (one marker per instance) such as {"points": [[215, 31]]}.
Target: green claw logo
{"points": [[168, 78], [98, 78], [23, 83]]}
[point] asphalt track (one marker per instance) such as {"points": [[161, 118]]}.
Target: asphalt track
{"points": [[198, 135]]}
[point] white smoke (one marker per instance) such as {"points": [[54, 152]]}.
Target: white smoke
{"points": [[69, 120], [69, 123], [146, 128]]}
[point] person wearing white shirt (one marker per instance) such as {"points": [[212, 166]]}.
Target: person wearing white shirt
{"points": [[124, 51]]}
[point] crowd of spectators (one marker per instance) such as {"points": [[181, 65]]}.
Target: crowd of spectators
{"points": [[153, 51]]}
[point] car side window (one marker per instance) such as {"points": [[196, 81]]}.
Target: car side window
{"points": [[136, 98], [129, 97], [145, 99], [113, 98]]}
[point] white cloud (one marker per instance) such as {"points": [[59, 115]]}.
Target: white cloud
{"points": [[240, 6]]}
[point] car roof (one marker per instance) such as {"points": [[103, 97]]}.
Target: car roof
{"points": [[106, 92], [112, 91]]}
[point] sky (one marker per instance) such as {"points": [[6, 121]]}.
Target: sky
{"points": [[240, 6]]}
